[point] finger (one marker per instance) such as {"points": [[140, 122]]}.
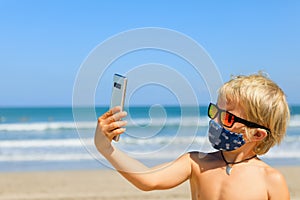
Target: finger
{"points": [[116, 125], [120, 115], [111, 131], [118, 131], [108, 128], [105, 115], [110, 120], [116, 117], [110, 112], [116, 109]]}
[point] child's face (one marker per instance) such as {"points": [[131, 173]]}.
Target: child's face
{"points": [[233, 118], [227, 129], [235, 109]]}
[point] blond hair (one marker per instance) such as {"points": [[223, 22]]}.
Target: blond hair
{"points": [[263, 102]]}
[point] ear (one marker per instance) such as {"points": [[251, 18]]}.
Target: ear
{"points": [[259, 135]]}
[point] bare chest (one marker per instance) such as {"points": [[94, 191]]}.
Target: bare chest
{"points": [[214, 184]]}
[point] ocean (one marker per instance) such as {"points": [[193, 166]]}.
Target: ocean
{"points": [[41, 139]]}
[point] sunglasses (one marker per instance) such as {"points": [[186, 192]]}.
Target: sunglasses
{"points": [[228, 119]]}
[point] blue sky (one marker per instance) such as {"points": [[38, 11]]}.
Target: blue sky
{"points": [[43, 43]]}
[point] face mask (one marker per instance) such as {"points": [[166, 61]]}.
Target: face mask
{"points": [[222, 139]]}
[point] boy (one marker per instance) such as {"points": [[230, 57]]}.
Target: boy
{"points": [[250, 117]]}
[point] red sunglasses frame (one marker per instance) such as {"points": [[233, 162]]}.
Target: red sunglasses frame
{"points": [[234, 117]]}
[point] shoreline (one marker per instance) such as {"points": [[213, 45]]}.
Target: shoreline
{"points": [[99, 184], [93, 164]]}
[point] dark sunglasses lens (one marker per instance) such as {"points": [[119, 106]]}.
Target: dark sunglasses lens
{"points": [[212, 111], [226, 118]]}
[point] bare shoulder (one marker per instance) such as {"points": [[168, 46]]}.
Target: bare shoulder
{"points": [[276, 184], [203, 157], [197, 155], [273, 176], [204, 161]]}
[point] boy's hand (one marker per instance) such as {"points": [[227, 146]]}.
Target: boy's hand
{"points": [[109, 125]]}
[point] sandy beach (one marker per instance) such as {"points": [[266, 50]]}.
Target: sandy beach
{"points": [[100, 184]]}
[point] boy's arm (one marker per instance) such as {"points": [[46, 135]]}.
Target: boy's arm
{"points": [[160, 177], [277, 187]]}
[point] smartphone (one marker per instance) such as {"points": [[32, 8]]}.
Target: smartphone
{"points": [[118, 94]]}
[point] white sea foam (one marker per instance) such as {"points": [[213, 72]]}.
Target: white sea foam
{"points": [[295, 121], [295, 154], [43, 143], [143, 122], [45, 157], [86, 156], [40, 143], [42, 126], [72, 149], [140, 122]]}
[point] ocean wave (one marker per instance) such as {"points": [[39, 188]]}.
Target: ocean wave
{"points": [[45, 143], [43, 126], [45, 157], [132, 123], [39, 143], [72, 149], [282, 154], [294, 121], [141, 122], [288, 142]]}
